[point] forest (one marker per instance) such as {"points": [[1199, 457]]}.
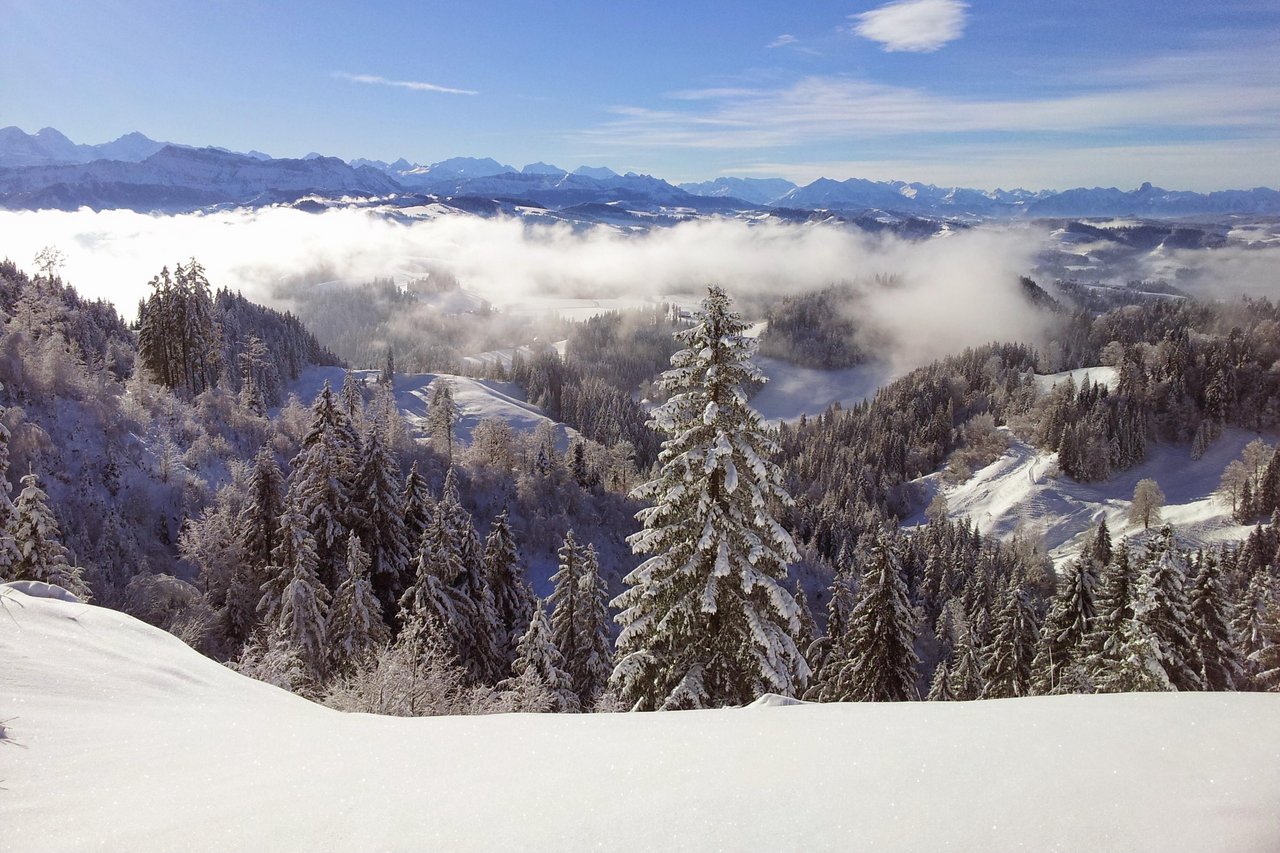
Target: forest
{"points": [[677, 553]]}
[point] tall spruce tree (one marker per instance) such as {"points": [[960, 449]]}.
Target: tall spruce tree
{"points": [[10, 556], [539, 660], [591, 671], [418, 506], [1221, 665], [566, 604], [512, 596], [1008, 668], [296, 602], [382, 521], [1167, 612], [356, 627], [259, 523], [705, 621], [320, 483], [875, 660], [1060, 658]]}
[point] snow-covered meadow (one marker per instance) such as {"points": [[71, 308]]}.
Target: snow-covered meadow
{"points": [[144, 745]]}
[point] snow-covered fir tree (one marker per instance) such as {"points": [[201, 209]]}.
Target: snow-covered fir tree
{"points": [[706, 621], [442, 416], [259, 529], [356, 627], [1250, 622], [418, 506], [940, 689], [566, 604], [41, 555], [594, 664], [298, 617], [512, 596], [321, 483], [538, 660], [1167, 612], [967, 680], [875, 659], [1221, 665], [1008, 667], [1114, 611], [1062, 649], [381, 520], [10, 556]]}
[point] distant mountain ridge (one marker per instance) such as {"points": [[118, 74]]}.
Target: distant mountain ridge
{"points": [[48, 170]]}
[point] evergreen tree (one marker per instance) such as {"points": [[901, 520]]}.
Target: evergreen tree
{"points": [[705, 621], [940, 689], [1249, 625], [442, 415], [356, 628], [1221, 665], [301, 612], [1265, 660], [566, 605], [41, 556], [1009, 669], [1166, 612], [537, 657], [512, 596], [320, 483], [260, 517], [1069, 623], [966, 677], [294, 554], [382, 521], [10, 555], [429, 604], [808, 628], [1112, 628], [418, 507], [875, 660], [595, 649]]}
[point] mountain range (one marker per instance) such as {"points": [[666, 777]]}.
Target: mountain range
{"points": [[48, 170]]}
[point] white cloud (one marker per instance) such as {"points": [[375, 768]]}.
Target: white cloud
{"points": [[956, 291], [782, 40], [374, 80], [1199, 166], [918, 26]]}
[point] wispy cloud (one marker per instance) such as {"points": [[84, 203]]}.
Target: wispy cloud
{"points": [[782, 41], [414, 85], [1199, 166], [917, 26]]}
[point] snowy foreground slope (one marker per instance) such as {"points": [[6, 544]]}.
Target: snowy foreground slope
{"points": [[122, 738]]}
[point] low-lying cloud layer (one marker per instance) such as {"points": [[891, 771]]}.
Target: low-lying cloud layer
{"points": [[953, 291]]}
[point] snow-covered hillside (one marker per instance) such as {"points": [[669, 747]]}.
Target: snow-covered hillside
{"points": [[476, 400], [1024, 488], [144, 745]]}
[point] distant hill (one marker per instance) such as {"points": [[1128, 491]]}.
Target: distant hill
{"points": [[48, 170]]}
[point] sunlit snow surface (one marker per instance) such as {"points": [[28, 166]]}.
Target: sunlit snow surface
{"points": [[120, 738]]}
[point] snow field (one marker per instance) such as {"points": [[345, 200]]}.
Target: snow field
{"points": [[132, 741]]}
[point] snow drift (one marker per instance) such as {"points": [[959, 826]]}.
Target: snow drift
{"points": [[119, 737]]}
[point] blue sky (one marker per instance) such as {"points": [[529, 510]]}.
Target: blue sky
{"points": [[999, 93]]}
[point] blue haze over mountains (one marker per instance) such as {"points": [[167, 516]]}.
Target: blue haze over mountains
{"points": [[47, 170]]}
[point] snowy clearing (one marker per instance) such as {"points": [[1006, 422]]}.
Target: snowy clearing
{"points": [[476, 399], [1023, 488], [122, 738], [1106, 375]]}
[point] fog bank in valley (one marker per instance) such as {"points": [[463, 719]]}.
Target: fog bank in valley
{"points": [[950, 291]]}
